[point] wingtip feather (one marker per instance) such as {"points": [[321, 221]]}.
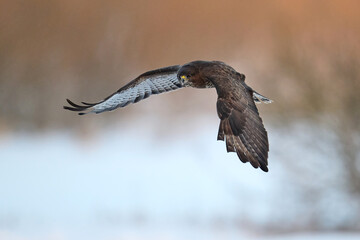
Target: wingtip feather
{"points": [[264, 168], [75, 107]]}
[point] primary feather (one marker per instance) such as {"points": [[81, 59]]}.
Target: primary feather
{"points": [[152, 82]]}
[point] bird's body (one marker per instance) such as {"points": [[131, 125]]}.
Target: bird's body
{"points": [[240, 124]]}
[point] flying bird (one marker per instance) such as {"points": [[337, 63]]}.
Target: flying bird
{"points": [[240, 127]]}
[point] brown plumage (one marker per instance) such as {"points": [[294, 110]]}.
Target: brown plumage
{"points": [[240, 124]]}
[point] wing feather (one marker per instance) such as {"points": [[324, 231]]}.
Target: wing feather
{"points": [[147, 84], [240, 124]]}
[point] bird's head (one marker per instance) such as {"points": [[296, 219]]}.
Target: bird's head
{"points": [[186, 74]]}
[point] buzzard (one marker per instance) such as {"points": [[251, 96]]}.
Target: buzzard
{"points": [[240, 124]]}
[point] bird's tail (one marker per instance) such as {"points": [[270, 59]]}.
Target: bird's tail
{"points": [[258, 98]]}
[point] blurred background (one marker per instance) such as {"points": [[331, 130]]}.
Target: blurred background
{"points": [[154, 170]]}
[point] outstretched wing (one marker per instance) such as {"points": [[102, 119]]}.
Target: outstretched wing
{"points": [[152, 82], [241, 126]]}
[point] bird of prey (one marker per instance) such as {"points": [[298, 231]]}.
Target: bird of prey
{"points": [[240, 124]]}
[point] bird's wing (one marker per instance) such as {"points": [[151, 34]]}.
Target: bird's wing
{"points": [[240, 124], [152, 82]]}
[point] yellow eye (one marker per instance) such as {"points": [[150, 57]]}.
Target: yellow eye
{"points": [[184, 77]]}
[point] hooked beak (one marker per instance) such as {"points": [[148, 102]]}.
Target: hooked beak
{"points": [[183, 79]]}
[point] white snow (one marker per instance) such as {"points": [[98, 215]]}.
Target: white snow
{"points": [[129, 184]]}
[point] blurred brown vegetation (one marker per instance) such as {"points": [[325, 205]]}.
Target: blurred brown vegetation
{"points": [[50, 50], [303, 54]]}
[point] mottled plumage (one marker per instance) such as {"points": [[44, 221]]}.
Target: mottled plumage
{"points": [[240, 124]]}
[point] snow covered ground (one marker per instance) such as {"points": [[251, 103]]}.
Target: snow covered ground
{"points": [[129, 184]]}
